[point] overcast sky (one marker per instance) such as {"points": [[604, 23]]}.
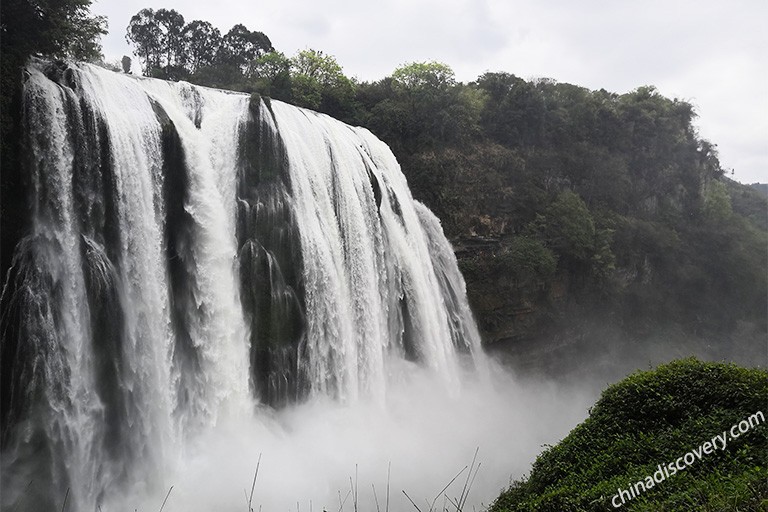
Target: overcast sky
{"points": [[710, 53]]}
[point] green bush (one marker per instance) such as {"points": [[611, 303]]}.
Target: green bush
{"points": [[531, 263], [652, 418]]}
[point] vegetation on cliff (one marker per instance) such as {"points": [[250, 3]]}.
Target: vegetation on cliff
{"points": [[563, 203], [653, 418], [619, 190], [56, 29]]}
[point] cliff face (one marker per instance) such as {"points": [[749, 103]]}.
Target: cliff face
{"points": [[505, 313], [579, 215], [560, 328], [552, 278]]}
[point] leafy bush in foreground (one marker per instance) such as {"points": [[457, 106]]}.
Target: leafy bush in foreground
{"points": [[652, 418]]}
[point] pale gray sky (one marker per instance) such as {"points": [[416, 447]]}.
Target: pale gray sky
{"points": [[710, 53]]}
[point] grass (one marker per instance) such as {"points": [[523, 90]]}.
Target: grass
{"points": [[450, 504]]}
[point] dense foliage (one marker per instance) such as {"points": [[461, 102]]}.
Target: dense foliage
{"points": [[54, 28], [652, 418], [618, 189], [51, 28], [241, 60], [196, 51]]}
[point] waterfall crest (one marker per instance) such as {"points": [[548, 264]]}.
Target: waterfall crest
{"points": [[196, 254]]}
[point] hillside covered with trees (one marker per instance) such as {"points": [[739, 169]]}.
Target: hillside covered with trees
{"points": [[570, 210]]}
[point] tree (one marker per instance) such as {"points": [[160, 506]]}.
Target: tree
{"points": [[421, 75], [159, 40], [514, 114], [318, 82], [197, 52], [60, 29], [80, 34], [428, 107], [531, 264], [568, 227], [717, 202], [240, 46], [272, 75], [201, 42], [145, 34], [171, 26]]}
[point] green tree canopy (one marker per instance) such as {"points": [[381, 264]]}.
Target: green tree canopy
{"points": [[568, 227], [174, 50], [146, 36], [240, 46], [652, 418], [56, 28], [421, 75], [318, 82], [202, 42], [171, 25], [272, 75], [423, 106]]}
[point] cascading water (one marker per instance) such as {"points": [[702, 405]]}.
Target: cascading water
{"points": [[193, 256]]}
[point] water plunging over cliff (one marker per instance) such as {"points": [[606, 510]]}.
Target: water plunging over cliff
{"points": [[192, 256]]}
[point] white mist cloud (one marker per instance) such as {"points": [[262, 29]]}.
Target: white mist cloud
{"points": [[310, 452]]}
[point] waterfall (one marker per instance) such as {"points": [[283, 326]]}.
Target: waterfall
{"points": [[195, 255]]}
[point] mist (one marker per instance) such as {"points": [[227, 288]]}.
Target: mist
{"points": [[320, 454]]}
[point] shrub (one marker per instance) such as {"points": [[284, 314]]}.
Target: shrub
{"points": [[652, 418]]}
